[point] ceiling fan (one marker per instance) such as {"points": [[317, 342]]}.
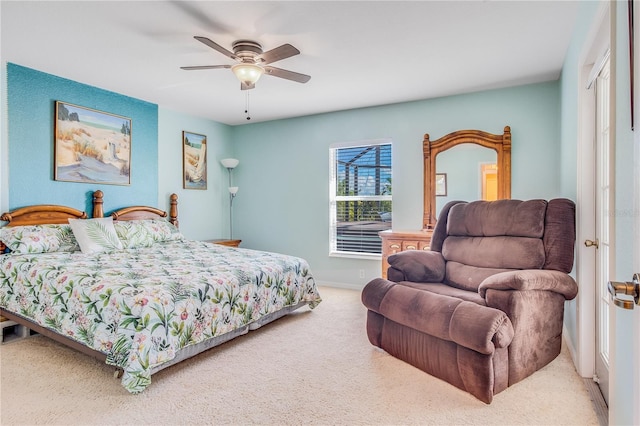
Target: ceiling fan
{"points": [[253, 62]]}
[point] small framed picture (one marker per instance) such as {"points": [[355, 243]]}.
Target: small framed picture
{"points": [[194, 160], [441, 184]]}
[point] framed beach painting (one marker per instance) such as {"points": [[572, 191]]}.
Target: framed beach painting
{"points": [[194, 160], [91, 146]]}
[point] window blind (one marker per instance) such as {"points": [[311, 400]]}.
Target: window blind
{"points": [[361, 197]]}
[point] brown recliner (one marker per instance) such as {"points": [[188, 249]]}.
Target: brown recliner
{"points": [[483, 309]]}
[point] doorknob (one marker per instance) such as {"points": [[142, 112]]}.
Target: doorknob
{"points": [[590, 243], [629, 288]]}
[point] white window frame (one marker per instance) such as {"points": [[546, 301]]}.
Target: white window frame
{"points": [[333, 198]]}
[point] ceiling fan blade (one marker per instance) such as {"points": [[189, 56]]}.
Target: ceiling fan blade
{"points": [[205, 67], [216, 46], [245, 86], [278, 54], [289, 75]]}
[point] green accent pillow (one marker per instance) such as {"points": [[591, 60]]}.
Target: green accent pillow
{"points": [[95, 235], [146, 232]]}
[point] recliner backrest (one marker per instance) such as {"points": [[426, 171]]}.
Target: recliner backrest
{"points": [[482, 238]]}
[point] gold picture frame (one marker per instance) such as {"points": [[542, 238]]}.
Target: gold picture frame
{"points": [[91, 146]]}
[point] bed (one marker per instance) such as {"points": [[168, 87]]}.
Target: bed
{"points": [[148, 298]]}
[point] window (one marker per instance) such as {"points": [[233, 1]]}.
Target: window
{"points": [[360, 197]]}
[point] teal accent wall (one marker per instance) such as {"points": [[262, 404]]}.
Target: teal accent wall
{"points": [[284, 180], [31, 97]]}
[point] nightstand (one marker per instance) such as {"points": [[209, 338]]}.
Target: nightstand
{"points": [[225, 242]]}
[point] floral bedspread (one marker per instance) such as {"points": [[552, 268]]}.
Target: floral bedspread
{"points": [[141, 306]]}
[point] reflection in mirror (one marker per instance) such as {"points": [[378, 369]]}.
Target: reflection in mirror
{"points": [[471, 174], [489, 181]]}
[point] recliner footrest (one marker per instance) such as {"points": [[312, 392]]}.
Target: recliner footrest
{"points": [[468, 324]]}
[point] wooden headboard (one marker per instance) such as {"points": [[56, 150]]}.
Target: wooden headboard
{"points": [[136, 212], [42, 214], [39, 215], [45, 214]]}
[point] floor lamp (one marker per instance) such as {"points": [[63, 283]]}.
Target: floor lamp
{"points": [[230, 164]]}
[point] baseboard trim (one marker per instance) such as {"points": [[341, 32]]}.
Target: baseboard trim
{"points": [[348, 286], [570, 347]]}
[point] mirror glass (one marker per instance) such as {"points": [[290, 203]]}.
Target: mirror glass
{"points": [[472, 165], [465, 172]]}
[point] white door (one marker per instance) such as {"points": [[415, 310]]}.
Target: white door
{"points": [[625, 324], [624, 378]]}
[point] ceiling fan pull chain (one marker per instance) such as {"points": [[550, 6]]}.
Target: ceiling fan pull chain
{"points": [[246, 108]]}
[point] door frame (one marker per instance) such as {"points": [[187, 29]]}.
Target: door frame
{"points": [[597, 41]]}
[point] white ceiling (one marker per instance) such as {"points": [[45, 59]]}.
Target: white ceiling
{"points": [[358, 53]]}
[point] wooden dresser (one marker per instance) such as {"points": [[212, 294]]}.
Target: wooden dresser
{"points": [[397, 241]]}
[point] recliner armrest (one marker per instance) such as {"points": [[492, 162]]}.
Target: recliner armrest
{"points": [[531, 279], [419, 266], [479, 328]]}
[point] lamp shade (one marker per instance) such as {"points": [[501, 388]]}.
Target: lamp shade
{"points": [[247, 73], [229, 163], [233, 190]]}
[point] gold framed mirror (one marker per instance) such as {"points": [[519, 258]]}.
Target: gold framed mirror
{"points": [[499, 143]]}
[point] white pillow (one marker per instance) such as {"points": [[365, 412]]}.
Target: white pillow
{"points": [[95, 235]]}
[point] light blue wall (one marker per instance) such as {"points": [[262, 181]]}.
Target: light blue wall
{"points": [[284, 166], [284, 178], [569, 89], [31, 97], [203, 214]]}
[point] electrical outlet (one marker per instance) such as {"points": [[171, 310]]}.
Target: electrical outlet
{"points": [[361, 273]]}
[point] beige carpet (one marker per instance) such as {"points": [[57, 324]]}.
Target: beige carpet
{"points": [[312, 367]]}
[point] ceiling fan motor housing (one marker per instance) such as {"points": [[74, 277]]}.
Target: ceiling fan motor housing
{"points": [[246, 49]]}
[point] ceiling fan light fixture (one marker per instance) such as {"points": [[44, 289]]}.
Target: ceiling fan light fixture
{"points": [[247, 73]]}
